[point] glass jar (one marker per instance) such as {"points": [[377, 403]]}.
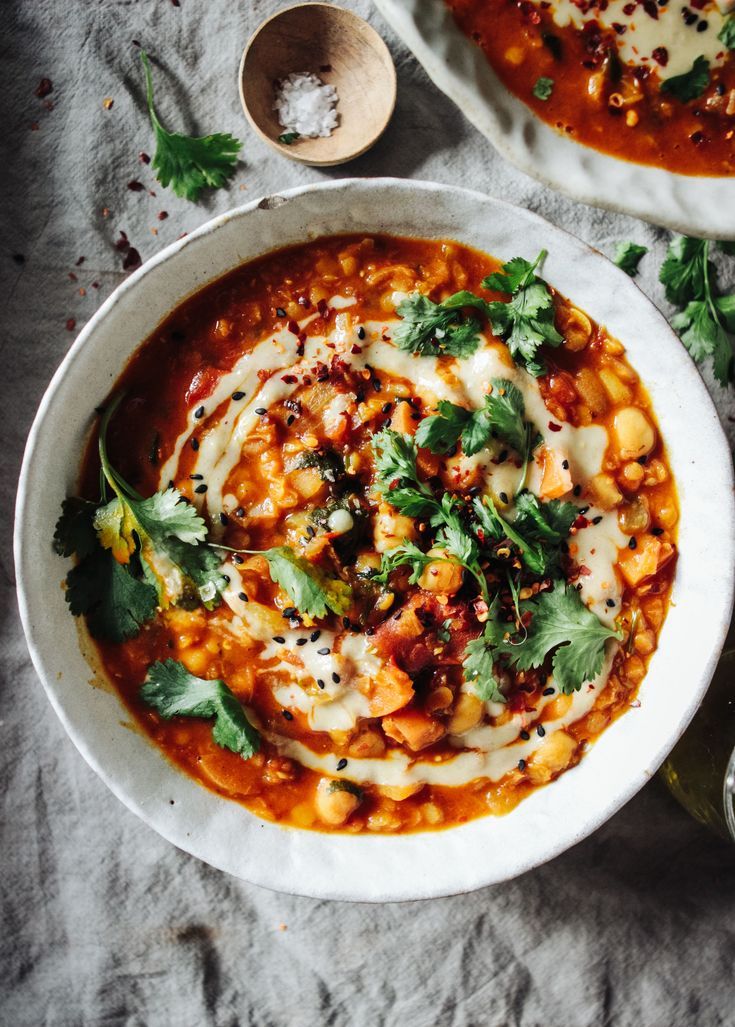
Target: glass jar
{"points": [[700, 772]]}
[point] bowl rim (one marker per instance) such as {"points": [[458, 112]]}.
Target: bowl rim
{"points": [[288, 151], [691, 204], [345, 887]]}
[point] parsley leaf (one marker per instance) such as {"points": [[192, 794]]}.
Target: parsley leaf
{"points": [[501, 417], [115, 603], [188, 163], [173, 692], [526, 321], [479, 661], [562, 624], [436, 329], [308, 588], [705, 319], [543, 88], [727, 32], [628, 256], [690, 84]]}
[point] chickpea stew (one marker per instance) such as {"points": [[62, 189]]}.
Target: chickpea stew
{"points": [[377, 534], [649, 81]]}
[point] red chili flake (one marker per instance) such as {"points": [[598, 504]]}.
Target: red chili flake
{"points": [[162, 215], [82, 292], [132, 260], [264, 374], [108, 103], [661, 56], [135, 186], [105, 212], [293, 327], [698, 138], [95, 285], [143, 157], [356, 349], [325, 67], [581, 522], [322, 307], [629, 9], [651, 9], [73, 277], [620, 29], [698, 5], [71, 324], [35, 126], [176, 3], [49, 105], [79, 261], [123, 243], [385, 338], [136, 43], [584, 571], [44, 87], [289, 379], [151, 192], [554, 427]]}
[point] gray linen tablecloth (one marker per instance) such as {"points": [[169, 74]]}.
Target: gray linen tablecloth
{"points": [[103, 921]]}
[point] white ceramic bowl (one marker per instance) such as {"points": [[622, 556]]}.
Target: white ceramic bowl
{"points": [[364, 867], [694, 205]]}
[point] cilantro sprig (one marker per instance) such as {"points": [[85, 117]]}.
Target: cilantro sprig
{"points": [[480, 656], [189, 163], [628, 256], [526, 320], [561, 625], [310, 590], [706, 320], [438, 329], [173, 692]]}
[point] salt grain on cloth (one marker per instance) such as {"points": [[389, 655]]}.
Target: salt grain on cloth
{"points": [[306, 105]]}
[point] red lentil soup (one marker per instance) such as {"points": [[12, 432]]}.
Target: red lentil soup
{"points": [[407, 502], [646, 81]]}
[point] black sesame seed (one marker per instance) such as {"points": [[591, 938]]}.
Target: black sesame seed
{"points": [[525, 735], [597, 520], [502, 456], [287, 714], [503, 497], [201, 489], [548, 691], [314, 635], [238, 559], [642, 460], [361, 332], [583, 510], [242, 596], [280, 312], [301, 641], [342, 764], [346, 623], [610, 603], [260, 411], [541, 730], [238, 395], [324, 652], [199, 412], [239, 512], [657, 531], [702, 26], [224, 520], [397, 616], [310, 531], [280, 639], [320, 683], [197, 477], [376, 384], [369, 631], [195, 444], [289, 612], [720, 88], [577, 490], [290, 420], [335, 678], [227, 578], [565, 464], [521, 764], [633, 544], [387, 407]]}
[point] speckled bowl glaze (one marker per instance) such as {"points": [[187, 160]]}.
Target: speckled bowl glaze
{"points": [[695, 205], [380, 868]]}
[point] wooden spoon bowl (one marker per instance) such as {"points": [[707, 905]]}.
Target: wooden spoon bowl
{"points": [[344, 51]]}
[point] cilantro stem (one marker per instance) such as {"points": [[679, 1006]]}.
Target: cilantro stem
{"points": [[116, 482]]}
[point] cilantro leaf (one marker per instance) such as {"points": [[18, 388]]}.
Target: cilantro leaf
{"points": [[188, 163], [703, 335], [436, 329], [442, 431], [543, 88], [526, 321], [561, 624], [173, 692], [397, 476], [727, 32], [329, 465], [74, 531], [628, 256], [479, 662], [115, 603], [684, 271], [534, 554], [405, 553], [690, 84], [308, 588]]}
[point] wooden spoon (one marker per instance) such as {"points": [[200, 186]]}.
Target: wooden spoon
{"points": [[344, 51]]}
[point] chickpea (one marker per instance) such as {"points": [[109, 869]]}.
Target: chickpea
{"points": [[634, 434], [369, 743], [467, 714], [441, 576], [392, 528], [552, 757], [631, 476], [400, 792], [576, 327], [196, 659], [606, 493], [336, 801]]}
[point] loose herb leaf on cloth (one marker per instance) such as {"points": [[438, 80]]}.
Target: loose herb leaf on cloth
{"points": [[628, 256], [526, 321], [690, 84], [173, 692], [705, 318], [479, 661], [188, 163], [436, 329], [310, 590], [561, 624]]}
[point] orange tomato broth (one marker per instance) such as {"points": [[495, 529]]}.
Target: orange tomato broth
{"points": [[597, 100], [176, 368]]}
